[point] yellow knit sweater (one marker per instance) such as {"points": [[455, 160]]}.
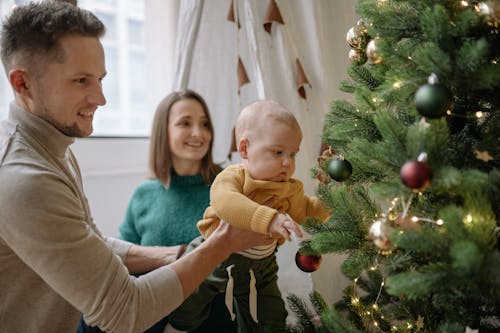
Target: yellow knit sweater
{"points": [[238, 199]]}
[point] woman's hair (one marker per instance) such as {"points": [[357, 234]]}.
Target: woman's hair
{"points": [[160, 156], [31, 34]]}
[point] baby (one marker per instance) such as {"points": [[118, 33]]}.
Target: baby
{"points": [[260, 195]]}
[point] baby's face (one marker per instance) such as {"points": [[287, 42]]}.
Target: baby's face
{"points": [[271, 154]]}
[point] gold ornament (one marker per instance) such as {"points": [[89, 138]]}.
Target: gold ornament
{"points": [[379, 232], [483, 155], [326, 155], [352, 38], [372, 51], [356, 35], [354, 55], [490, 10], [419, 323]]}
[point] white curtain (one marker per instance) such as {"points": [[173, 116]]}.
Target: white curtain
{"points": [[208, 47]]}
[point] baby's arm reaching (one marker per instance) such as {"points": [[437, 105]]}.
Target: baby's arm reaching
{"points": [[283, 225]]}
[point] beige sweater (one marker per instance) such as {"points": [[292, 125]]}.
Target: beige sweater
{"points": [[54, 263]]}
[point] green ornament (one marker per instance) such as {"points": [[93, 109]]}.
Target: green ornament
{"points": [[433, 100], [339, 169]]}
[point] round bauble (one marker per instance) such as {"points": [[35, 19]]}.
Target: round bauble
{"points": [[433, 100], [354, 55], [416, 175], [380, 232], [307, 263], [339, 169], [352, 38], [373, 52]]}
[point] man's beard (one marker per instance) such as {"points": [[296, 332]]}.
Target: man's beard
{"points": [[68, 130]]}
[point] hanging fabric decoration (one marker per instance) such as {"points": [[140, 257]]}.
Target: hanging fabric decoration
{"points": [[242, 75], [272, 15], [302, 80], [230, 15]]}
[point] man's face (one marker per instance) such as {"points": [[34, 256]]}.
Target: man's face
{"points": [[67, 94]]}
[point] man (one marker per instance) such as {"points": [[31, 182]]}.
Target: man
{"points": [[55, 264]]}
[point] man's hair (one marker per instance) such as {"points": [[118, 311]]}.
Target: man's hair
{"points": [[30, 34]]}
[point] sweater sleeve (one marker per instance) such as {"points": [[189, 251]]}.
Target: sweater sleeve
{"points": [[44, 224], [234, 207]]}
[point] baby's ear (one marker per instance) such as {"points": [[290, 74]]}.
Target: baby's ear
{"points": [[243, 147]]}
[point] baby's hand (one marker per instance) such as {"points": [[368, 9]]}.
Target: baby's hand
{"points": [[283, 225]]}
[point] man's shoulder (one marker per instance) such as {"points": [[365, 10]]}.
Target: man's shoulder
{"points": [[7, 139]]}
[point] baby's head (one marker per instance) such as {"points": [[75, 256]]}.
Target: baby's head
{"points": [[268, 137]]}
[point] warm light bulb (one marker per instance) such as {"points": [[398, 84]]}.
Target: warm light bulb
{"points": [[439, 222], [397, 85], [479, 114], [464, 3]]}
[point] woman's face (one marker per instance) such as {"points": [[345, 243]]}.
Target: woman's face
{"points": [[188, 132]]}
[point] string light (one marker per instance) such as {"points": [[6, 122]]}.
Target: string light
{"points": [[416, 219], [397, 85], [464, 3], [479, 114]]}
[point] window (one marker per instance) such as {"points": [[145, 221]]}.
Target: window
{"points": [[133, 62]]}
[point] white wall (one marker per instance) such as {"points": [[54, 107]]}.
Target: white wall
{"points": [[111, 169]]}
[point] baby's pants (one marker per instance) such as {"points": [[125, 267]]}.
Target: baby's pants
{"points": [[271, 311]]}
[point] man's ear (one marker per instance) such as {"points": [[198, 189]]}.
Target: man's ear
{"points": [[18, 81], [243, 147]]}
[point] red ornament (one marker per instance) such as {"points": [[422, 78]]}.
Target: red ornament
{"points": [[307, 263], [416, 175]]}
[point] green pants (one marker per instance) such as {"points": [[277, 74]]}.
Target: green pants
{"points": [[271, 311]]}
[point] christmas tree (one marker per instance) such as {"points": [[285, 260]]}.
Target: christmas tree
{"points": [[410, 172]]}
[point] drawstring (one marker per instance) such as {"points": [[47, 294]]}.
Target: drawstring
{"points": [[229, 292], [253, 297], [252, 294]]}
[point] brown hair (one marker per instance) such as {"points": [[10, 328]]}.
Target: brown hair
{"points": [[160, 156], [32, 32]]}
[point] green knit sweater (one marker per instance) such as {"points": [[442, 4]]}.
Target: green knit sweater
{"points": [[166, 216]]}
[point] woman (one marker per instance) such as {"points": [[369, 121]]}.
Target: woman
{"points": [[164, 210]]}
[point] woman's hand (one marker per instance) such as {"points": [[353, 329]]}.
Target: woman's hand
{"points": [[142, 259]]}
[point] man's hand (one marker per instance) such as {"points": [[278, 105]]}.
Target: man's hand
{"points": [[237, 239], [225, 240], [283, 225]]}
